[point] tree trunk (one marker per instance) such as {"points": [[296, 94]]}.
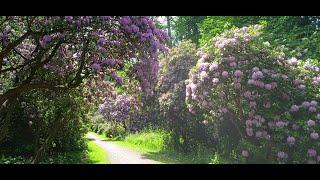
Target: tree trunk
{"points": [[41, 152], [5, 117], [169, 29]]}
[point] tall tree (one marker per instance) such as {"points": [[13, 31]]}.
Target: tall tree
{"points": [[169, 29], [187, 27]]}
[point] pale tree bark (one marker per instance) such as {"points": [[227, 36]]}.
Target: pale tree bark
{"points": [[169, 29]]}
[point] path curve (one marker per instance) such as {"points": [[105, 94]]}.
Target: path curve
{"points": [[120, 155]]}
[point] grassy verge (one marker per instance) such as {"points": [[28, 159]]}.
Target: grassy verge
{"points": [[96, 155], [152, 145], [92, 155]]}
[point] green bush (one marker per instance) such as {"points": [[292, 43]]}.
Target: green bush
{"points": [[150, 138], [110, 129], [52, 120], [187, 133], [255, 92]]}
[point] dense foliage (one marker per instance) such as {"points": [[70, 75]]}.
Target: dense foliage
{"points": [[45, 60], [175, 66], [267, 96], [239, 89]]}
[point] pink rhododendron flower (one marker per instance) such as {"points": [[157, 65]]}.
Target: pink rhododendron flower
{"points": [[313, 103], [306, 104], [282, 155], [238, 73], [237, 85], [251, 81], [293, 61], [215, 80], [311, 123], [248, 123], [312, 152], [294, 108], [312, 109], [291, 140], [255, 69], [225, 74], [245, 153], [213, 66], [314, 135], [247, 94], [257, 75], [224, 110], [268, 86], [280, 124], [249, 131]]}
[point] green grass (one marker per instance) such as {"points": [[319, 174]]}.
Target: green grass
{"points": [[92, 155], [96, 155], [152, 143], [71, 157]]}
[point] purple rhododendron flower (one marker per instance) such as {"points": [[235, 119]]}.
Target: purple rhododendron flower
{"points": [[213, 66], [280, 124], [247, 94], [293, 61], [314, 135], [268, 86], [294, 108], [282, 155], [96, 67], [291, 140], [224, 110], [313, 103], [312, 153], [238, 73], [101, 42], [306, 104], [257, 75], [312, 109], [255, 69], [225, 74], [249, 131], [245, 153], [69, 19], [311, 122]]}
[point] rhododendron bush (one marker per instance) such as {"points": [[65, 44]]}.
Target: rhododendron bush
{"points": [[270, 98], [76, 56], [171, 90], [69, 49], [124, 109]]}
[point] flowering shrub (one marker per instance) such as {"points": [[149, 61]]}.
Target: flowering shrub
{"points": [[173, 72], [69, 49], [40, 55], [123, 109], [97, 89], [271, 99]]}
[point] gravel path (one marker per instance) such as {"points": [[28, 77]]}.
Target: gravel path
{"points": [[120, 155]]}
